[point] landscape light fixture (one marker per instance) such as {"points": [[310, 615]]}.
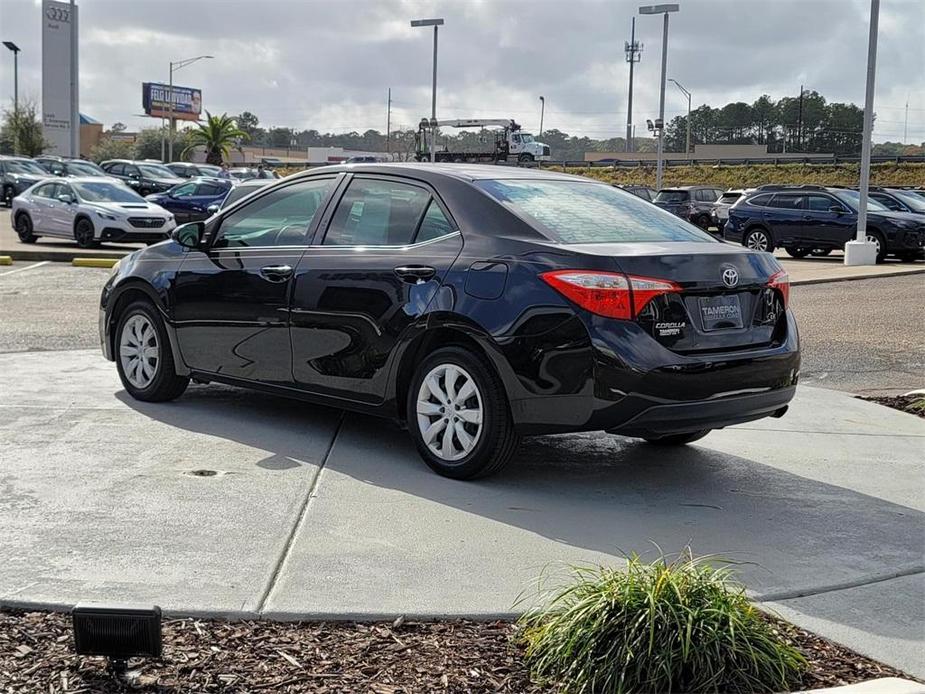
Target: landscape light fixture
{"points": [[13, 47], [688, 94], [665, 10], [435, 23], [117, 632]]}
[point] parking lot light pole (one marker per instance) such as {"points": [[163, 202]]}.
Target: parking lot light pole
{"points": [[660, 123], [15, 49], [542, 111], [435, 23], [861, 251], [171, 122], [687, 149]]}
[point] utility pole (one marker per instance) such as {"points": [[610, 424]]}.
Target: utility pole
{"points": [[633, 52], [687, 149], [660, 123], [800, 123], [906, 123], [15, 50], [388, 126], [542, 112]]}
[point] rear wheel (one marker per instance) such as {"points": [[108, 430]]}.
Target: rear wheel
{"points": [[797, 251], [703, 221], [758, 239], [458, 415], [677, 439], [876, 238], [821, 251], [83, 234], [24, 228], [143, 355]]}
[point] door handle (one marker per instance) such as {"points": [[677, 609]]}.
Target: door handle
{"points": [[276, 273], [415, 273]]}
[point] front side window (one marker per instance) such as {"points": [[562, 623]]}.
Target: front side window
{"points": [[155, 171], [25, 167], [102, 191], [820, 203], [46, 191], [280, 218], [376, 212], [579, 212], [84, 168]]}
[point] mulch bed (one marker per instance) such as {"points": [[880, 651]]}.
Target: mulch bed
{"points": [[36, 655], [913, 404]]}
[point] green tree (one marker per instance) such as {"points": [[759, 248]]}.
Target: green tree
{"points": [[112, 149], [150, 142], [22, 129], [217, 135]]}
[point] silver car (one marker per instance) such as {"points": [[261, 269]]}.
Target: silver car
{"points": [[89, 209]]}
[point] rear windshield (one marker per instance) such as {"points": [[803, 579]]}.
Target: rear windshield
{"points": [[730, 197], [578, 212], [672, 196]]}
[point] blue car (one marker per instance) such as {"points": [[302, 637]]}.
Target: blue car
{"points": [[190, 201]]}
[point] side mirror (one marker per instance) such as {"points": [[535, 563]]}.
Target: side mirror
{"points": [[189, 235], [66, 199], [837, 209], [213, 208], [133, 175]]}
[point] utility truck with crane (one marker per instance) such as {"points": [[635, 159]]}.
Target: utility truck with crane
{"points": [[508, 143]]}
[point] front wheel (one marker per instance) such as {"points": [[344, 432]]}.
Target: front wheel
{"points": [[758, 240], [458, 415], [24, 228], [677, 439], [84, 234], [143, 355], [876, 238], [525, 157]]}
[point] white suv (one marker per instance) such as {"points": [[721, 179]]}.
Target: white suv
{"points": [[89, 209]]}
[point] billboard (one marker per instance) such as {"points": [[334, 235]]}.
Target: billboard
{"points": [[155, 100], [60, 120]]}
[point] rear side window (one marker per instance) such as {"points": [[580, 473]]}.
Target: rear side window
{"points": [[578, 212], [672, 196], [376, 212], [434, 225], [760, 200], [789, 202], [117, 169]]}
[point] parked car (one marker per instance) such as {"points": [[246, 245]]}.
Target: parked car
{"points": [[243, 173], [898, 200], [361, 159], [144, 177], [88, 210], [475, 303], [803, 218], [62, 166], [190, 201], [693, 203], [16, 175], [185, 169], [241, 190], [643, 192], [719, 212]]}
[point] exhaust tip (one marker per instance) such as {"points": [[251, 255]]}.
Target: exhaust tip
{"points": [[777, 414]]}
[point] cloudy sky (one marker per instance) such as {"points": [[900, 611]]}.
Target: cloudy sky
{"points": [[326, 64]]}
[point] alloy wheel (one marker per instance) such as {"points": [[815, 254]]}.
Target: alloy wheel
{"points": [[139, 351], [84, 234], [874, 239], [449, 412], [757, 241]]}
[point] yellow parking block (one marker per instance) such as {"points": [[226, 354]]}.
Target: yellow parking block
{"points": [[6, 260], [94, 262]]}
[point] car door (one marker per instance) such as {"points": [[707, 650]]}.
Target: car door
{"points": [[205, 194], [827, 221], [54, 213], [231, 302], [39, 209], [65, 213], [379, 259], [785, 217]]}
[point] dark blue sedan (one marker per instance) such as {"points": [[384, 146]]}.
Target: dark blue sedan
{"points": [[189, 202]]}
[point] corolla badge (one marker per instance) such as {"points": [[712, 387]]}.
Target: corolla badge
{"points": [[730, 276]]}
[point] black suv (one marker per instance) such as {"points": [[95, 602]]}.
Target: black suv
{"points": [[899, 200], [185, 169], [17, 174], [144, 177], [62, 166], [693, 203], [808, 219]]}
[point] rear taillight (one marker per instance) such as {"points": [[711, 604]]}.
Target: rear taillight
{"points": [[780, 281], [609, 294]]}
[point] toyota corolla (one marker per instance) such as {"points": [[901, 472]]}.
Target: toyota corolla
{"points": [[475, 304]]}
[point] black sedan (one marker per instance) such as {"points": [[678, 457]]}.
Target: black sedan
{"points": [[476, 304]]}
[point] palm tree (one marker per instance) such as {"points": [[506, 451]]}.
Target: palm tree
{"points": [[217, 134]]}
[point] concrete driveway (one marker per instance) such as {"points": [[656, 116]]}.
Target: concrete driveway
{"points": [[235, 503]]}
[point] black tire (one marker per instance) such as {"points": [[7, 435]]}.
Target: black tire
{"points": [[8, 195], [703, 221], [877, 237], [677, 439], [797, 251], [24, 229], [524, 157], [497, 440], [166, 383], [84, 234], [821, 252], [758, 238], [909, 256]]}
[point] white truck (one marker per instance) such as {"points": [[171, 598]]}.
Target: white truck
{"points": [[510, 143]]}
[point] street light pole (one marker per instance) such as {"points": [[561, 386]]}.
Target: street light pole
{"points": [[15, 49], [542, 111], [861, 251], [171, 122], [660, 123], [633, 51], [435, 23], [687, 149]]}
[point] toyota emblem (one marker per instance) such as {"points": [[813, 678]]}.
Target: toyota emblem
{"points": [[730, 277]]}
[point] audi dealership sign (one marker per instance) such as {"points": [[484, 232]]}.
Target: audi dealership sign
{"points": [[60, 118], [155, 99]]}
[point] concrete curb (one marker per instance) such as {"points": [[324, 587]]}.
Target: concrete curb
{"points": [[867, 276], [884, 685], [65, 256]]}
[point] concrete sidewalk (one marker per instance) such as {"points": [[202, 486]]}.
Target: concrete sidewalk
{"points": [[233, 503]]}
